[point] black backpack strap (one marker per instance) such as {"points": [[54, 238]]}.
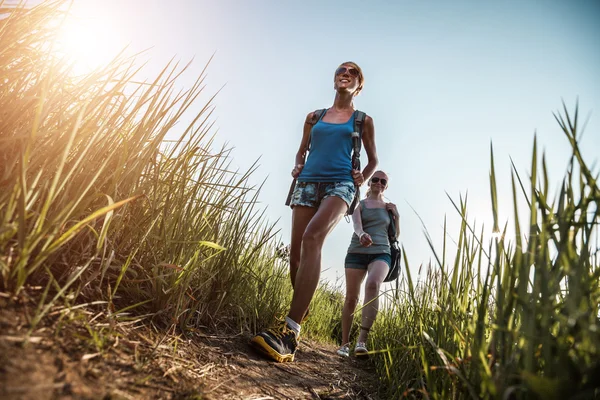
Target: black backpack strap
{"points": [[359, 119], [395, 251], [392, 228], [316, 117]]}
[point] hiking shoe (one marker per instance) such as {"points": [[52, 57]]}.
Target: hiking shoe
{"points": [[278, 342], [361, 349], [344, 351]]}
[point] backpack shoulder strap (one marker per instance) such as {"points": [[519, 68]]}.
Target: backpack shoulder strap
{"points": [[392, 228], [316, 117], [359, 120]]}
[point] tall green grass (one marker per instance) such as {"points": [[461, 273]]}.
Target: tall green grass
{"points": [[513, 319], [95, 204]]}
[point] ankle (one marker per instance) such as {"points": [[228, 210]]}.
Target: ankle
{"points": [[293, 325], [364, 333]]}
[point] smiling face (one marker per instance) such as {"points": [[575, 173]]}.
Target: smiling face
{"points": [[348, 78], [378, 182]]}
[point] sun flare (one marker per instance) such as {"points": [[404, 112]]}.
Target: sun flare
{"points": [[88, 42]]}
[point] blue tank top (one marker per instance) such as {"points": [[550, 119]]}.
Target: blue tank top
{"points": [[330, 155]]}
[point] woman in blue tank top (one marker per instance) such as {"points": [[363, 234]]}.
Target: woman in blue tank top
{"points": [[325, 188]]}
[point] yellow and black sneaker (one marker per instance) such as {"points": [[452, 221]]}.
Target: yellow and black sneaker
{"points": [[278, 343]]}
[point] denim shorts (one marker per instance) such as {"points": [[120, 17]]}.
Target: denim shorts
{"points": [[311, 194], [362, 261]]}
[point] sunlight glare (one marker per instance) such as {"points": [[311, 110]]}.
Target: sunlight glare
{"points": [[88, 42]]}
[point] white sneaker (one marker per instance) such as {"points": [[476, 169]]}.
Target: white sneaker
{"points": [[360, 349], [344, 351]]}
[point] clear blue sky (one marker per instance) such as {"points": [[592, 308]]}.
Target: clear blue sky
{"points": [[443, 80]]}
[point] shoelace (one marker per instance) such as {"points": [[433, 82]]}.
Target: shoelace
{"points": [[280, 331]]}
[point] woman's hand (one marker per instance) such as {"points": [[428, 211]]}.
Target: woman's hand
{"points": [[365, 239], [392, 207], [297, 169], [358, 177]]}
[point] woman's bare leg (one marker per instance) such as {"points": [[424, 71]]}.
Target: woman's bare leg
{"points": [[301, 216], [378, 270], [326, 218], [354, 278]]}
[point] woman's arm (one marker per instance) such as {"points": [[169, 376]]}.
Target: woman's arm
{"points": [[301, 154], [368, 139], [357, 222], [363, 237]]}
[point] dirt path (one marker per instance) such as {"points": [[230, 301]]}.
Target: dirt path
{"points": [[81, 356]]}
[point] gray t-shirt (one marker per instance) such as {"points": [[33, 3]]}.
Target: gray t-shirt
{"points": [[375, 222]]}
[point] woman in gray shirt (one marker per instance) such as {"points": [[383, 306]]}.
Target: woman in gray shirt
{"points": [[368, 255]]}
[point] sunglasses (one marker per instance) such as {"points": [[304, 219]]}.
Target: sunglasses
{"points": [[351, 71], [383, 180]]}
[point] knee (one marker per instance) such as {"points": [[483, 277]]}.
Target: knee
{"points": [[312, 239], [372, 286], [351, 301]]}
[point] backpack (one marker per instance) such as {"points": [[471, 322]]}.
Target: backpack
{"points": [[396, 253], [359, 119]]}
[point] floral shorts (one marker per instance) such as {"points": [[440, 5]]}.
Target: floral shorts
{"points": [[311, 194]]}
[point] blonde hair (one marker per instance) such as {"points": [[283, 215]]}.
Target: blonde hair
{"points": [[361, 77]]}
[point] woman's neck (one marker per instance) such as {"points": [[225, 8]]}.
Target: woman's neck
{"points": [[375, 197], [343, 101]]}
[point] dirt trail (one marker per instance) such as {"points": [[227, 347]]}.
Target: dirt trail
{"points": [[84, 357]]}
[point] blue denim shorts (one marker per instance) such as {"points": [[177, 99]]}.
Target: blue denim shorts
{"points": [[362, 261], [311, 194]]}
